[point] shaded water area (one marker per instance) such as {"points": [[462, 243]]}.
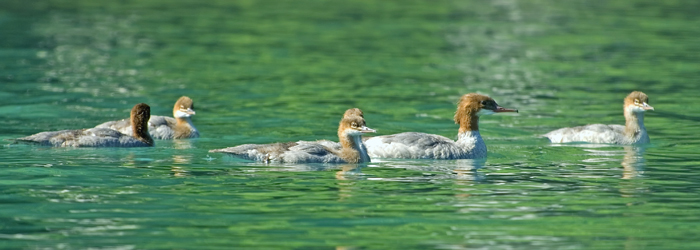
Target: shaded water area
{"points": [[274, 71]]}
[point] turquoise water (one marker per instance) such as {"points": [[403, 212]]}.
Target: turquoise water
{"points": [[269, 71]]}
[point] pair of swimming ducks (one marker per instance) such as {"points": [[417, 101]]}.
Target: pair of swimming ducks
{"points": [[352, 148], [137, 131]]}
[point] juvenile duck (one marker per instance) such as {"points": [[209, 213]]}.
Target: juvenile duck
{"points": [[633, 132], [163, 127], [350, 133]]}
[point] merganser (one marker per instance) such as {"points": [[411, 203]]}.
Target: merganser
{"points": [[469, 145], [163, 127], [350, 133], [634, 132], [100, 137], [336, 145]]}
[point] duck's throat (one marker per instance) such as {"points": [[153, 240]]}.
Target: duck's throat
{"points": [[361, 149], [634, 124], [353, 150], [469, 123], [183, 127]]}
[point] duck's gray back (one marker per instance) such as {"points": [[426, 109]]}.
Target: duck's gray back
{"points": [[593, 133], [413, 145], [123, 126], [94, 137], [159, 127], [290, 152], [311, 152]]}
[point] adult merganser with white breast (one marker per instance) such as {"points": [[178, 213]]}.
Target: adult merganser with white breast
{"points": [[634, 132], [350, 133], [100, 137], [163, 127], [414, 145]]}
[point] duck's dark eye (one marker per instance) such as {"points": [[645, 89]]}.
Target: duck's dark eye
{"points": [[354, 125], [636, 101]]}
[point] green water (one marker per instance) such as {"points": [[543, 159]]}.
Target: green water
{"points": [[269, 71]]}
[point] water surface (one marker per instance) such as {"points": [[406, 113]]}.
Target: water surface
{"points": [[271, 71]]}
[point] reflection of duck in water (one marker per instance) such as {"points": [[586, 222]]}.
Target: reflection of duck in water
{"points": [[350, 133], [469, 145], [162, 127], [636, 103], [348, 171], [467, 169], [633, 162], [100, 137], [345, 177]]}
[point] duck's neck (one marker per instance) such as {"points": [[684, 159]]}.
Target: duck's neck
{"points": [[469, 123], [183, 127], [140, 130], [353, 150], [469, 139], [634, 126]]}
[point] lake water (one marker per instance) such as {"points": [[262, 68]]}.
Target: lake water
{"points": [[274, 71]]}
